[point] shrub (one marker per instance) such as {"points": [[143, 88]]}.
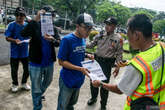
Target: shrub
{"points": [[92, 34]]}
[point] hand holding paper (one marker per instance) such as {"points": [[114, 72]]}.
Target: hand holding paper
{"points": [[25, 41], [85, 71], [96, 72]]}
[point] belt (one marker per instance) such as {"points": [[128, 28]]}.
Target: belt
{"points": [[104, 58]]}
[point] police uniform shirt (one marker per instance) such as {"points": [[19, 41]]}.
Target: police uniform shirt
{"points": [[108, 46]]}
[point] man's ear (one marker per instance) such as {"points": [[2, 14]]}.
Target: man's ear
{"points": [[138, 35], [77, 25]]}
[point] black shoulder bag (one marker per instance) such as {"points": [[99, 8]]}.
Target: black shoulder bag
{"points": [[147, 103]]}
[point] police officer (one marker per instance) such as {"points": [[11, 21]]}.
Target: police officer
{"points": [[109, 49], [143, 76]]}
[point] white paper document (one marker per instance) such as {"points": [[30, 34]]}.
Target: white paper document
{"points": [[25, 41], [47, 24], [96, 72]]}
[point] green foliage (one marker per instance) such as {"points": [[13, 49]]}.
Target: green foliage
{"points": [[92, 35], [159, 16], [122, 13], [2, 26], [93, 50], [132, 53], [99, 9], [159, 26], [75, 7], [143, 12], [124, 35], [127, 56], [126, 46], [104, 11], [107, 9], [134, 10]]}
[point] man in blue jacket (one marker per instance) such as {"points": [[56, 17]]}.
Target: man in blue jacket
{"points": [[71, 53], [42, 56]]}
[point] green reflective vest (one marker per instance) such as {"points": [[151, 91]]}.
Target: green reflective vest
{"points": [[149, 63]]}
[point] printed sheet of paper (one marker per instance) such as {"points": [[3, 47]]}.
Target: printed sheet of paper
{"points": [[96, 72], [47, 24], [25, 41]]}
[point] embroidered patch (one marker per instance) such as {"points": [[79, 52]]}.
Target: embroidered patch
{"points": [[156, 64]]}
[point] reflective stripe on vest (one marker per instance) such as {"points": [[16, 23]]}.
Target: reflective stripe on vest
{"points": [[147, 70], [128, 101], [162, 106]]}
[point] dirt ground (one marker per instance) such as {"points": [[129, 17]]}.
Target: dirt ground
{"points": [[22, 99]]}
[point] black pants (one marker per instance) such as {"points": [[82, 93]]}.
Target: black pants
{"points": [[14, 63], [106, 65]]}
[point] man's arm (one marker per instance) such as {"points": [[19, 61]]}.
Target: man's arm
{"points": [[128, 83], [32, 25], [112, 88], [52, 39], [10, 39], [57, 37], [119, 50], [93, 43], [69, 65], [119, 56], [109, 87]]}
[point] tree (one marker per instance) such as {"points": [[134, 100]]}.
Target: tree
{"points": [[104, 11], [107, 9], [122, 13], [75, 7], [159, 27], [159, 16], [135, 10], [143, 12]]}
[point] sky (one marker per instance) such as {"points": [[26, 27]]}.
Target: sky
{"points": [[157, 5]]}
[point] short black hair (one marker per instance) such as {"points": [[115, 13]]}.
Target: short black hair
{"points": [[20, 11], [142, 23]]}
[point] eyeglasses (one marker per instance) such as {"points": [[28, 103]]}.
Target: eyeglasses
{"points": [[87, 28]]}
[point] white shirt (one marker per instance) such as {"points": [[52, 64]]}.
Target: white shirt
{"points": [[130, 80]]}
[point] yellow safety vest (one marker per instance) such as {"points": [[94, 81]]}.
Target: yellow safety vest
{"points": [[149, 63]]}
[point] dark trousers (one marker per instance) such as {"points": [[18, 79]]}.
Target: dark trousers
{"points": [[106, 65], [14, 63]]}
